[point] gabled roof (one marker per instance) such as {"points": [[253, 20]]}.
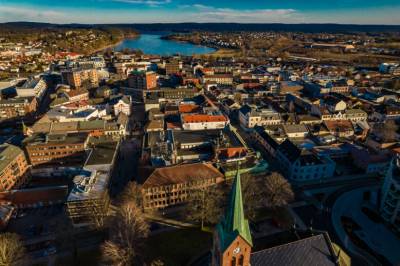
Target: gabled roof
{"points": [[315, 250], [260, 130], [179, 174], [200, 118], [291, 151], [299, 128]]}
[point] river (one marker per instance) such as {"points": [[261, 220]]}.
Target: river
{"points": [[151, 43]]}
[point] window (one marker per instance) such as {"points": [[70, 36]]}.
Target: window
{"points": [[241, 260], [233, 262]]}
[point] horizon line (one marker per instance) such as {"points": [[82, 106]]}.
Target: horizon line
{"points": [[237, 23]]}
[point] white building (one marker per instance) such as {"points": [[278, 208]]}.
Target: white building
{"points": [[203, 121], [123, 106], [250, 117], [33, 87]]}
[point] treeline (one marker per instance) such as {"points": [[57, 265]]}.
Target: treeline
{"points": [[61, 38]]}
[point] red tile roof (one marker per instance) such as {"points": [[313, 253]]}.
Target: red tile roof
{"points": [[179, 174], [199, 118]]}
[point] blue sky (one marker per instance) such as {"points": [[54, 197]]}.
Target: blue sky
{"points": [[246, 11]]}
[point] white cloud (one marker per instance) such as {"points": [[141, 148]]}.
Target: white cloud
{"points": [[16, 13], [212, 14], [145, 2], [191, 13]]}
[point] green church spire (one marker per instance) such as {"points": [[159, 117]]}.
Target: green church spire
{"points": [[234, 222]]}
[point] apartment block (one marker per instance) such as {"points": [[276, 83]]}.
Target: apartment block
{"points": [[56, 148], [142, 80], [13, 167]]}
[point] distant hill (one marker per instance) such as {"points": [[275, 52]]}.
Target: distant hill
{"points": [[329, 28]]}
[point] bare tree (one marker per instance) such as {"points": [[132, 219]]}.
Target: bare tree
{"points": [[12, 252], [132, 193], [277, 191], [204, 205], [127, 236], [252, 195]]}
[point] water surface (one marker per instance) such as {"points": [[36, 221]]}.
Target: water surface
{"points": [[151, 43]]}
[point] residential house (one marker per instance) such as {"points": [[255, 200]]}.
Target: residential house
{"points": [[340, 128]]}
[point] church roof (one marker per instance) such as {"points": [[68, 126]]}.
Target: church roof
{"points": [[234, 223], [315, 250]]}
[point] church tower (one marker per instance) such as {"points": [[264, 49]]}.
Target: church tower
{"points": [[232, 237]]}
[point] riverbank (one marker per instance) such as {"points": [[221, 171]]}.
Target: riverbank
{"points": [[219, 51], [117, 43]]}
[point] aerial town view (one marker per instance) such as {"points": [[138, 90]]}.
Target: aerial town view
{"points": [[199, 132]]}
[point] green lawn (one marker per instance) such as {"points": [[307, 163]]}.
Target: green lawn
{"points": [[178, 247]]}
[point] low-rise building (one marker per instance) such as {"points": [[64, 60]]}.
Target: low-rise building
{"points": [[88, 201], [224, 79], [77, 95], [265, 140], [250, 117], [63, 148], [17, 107], [169, 186], [295, 131], [338, 86], [340, 128], [355, 115], [13, 167], [124, 105], [289, 87], [203, 121], [300, 165], [33, 87], [173, 67]]}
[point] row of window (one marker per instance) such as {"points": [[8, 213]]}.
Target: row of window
{"points": [[162, 203]]}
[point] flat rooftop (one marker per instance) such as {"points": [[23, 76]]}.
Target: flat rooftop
{"points": [[7, 154], [66, 138], [102, 153]]}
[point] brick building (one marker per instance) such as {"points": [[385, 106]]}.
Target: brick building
{"points": [[13, 167], [170, 186], [17, 107], [142, 80], [172, 67], [225, 79], [59, 148], [77, 77]]}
